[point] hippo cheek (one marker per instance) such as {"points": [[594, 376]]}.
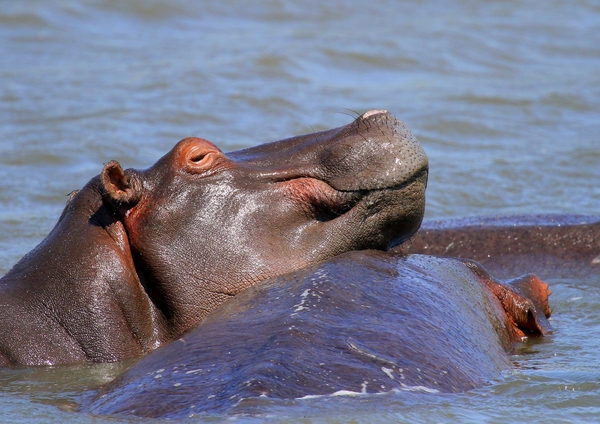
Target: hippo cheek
{"points": [[214, 241]]}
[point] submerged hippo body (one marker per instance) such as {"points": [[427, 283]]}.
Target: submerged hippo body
{"points": [[362, 322], [550, 246], [138, 257]]}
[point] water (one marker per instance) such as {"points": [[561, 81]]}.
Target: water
{"points": [[504, 96]]}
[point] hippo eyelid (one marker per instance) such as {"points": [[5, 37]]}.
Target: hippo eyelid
{"points": [[205, 162], [198, 158]]}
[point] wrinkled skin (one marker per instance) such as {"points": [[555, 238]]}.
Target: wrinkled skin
{"points": [[138, 257], [362, 322]]}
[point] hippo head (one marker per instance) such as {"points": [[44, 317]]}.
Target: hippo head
{"points": [[203, 225]]}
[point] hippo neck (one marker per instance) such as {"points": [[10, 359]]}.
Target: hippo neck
{"points": [[85, 263]]}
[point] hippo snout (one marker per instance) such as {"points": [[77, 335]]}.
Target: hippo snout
{"points": [[377, 151]]}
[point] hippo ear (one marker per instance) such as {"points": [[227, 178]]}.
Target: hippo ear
{"points": [[122, 190]]}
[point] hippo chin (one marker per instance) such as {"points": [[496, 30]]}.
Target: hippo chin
{"points": [[360, 323], [139, 257]]}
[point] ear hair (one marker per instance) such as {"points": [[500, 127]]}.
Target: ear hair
{"points": [[121, 189]]}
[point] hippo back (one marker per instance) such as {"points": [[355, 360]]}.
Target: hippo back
{"points": [[362, 322]]}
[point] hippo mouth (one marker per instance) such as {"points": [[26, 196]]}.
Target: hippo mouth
{"points": [[320, 201], [324, 203]]}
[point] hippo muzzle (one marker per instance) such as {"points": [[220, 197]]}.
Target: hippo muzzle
{"points": [[370, 170]]}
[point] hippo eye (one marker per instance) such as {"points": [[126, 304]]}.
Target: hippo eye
{"points": [[198, 158]]}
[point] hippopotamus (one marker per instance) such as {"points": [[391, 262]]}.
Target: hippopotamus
{"points": [[363, 322], [368, 322], [139, 257], [550, 245]]}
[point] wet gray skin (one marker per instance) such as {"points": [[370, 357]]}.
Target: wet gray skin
{"points": [[551, 246], [138, 257], [357, 324]]}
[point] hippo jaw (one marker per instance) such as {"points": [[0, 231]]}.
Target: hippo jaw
{"points": [[204, 225], [378, 219]]}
